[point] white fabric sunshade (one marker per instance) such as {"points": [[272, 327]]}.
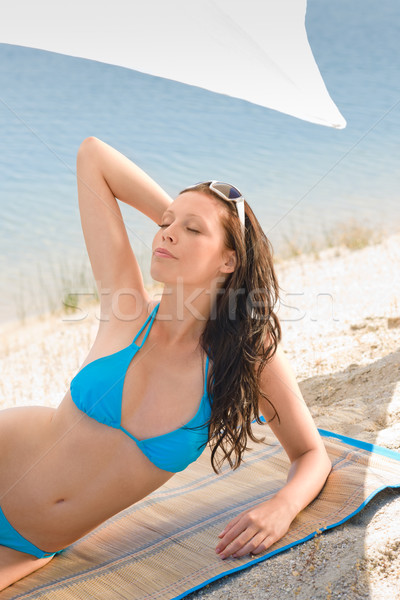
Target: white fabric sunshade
{"points": [[256, 50]]}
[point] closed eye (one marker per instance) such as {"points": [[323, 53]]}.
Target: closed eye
{"points": [[188, 228]]}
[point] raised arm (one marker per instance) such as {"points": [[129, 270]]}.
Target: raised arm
{"points": [[258, 528], [104, 175]]}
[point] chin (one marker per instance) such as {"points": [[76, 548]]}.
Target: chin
{"points": [[161, 278], [157, 278], [156, 275]]}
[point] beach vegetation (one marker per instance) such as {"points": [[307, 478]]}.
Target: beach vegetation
{"points": [[351, 234]]}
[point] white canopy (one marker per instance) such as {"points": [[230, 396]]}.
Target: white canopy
{"points": [[256, 50]]}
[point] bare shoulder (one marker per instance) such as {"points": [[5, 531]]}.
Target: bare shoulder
{"points": [[124, 318], [278, 377]]}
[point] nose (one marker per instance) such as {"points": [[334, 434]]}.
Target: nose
{"points": [[168, 234]]}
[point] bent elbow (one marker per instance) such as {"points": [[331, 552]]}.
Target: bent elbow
{"points": [[86, 150]]}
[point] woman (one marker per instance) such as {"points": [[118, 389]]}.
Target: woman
{"points": [[120, 431]]}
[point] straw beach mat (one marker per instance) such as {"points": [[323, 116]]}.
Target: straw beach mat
{"points": [[163, 547]]}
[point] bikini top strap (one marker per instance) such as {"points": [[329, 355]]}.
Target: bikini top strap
{"points": [[150, 318]]}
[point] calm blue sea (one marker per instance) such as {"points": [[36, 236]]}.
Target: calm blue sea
{"points": [[301, 179]]}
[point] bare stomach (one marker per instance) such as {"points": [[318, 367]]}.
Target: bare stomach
{"points": [[62, 473]]}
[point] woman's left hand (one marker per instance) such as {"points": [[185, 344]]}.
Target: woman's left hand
{"points": [[255, 529]]}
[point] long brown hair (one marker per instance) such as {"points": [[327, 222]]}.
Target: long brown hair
{"points": [[243, 332]]}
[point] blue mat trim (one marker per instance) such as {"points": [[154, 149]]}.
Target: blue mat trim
{"points": [[356, 443], [363, 445]]}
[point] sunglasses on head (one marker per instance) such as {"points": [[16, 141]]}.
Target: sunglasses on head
{"points": [[227, 192]]}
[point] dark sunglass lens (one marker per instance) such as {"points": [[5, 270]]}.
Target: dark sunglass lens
{"points": [[234, 193]]}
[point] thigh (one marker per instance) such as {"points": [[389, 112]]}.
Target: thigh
{"points": [[15, 565]]}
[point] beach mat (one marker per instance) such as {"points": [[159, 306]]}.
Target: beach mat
{"points": [[163, 547]]}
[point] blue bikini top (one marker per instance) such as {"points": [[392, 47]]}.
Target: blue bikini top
{"points": [[97, 391]]}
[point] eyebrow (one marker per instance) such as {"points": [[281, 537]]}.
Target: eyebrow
{"points": [[188, 214]]}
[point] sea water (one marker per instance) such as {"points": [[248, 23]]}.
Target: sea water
{"points": [[301, 179]]}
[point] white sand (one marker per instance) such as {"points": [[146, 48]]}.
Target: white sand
{"points": [[340, 316]]}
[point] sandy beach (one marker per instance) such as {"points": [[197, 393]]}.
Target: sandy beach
{"points": [[340, 317]]}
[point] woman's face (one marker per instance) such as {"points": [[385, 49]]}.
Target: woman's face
{"points": [[191, 230]]}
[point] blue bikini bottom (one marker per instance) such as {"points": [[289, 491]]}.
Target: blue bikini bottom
{"points": [[12, 539]]}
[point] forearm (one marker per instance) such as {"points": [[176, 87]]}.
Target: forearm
{"points": [[305, 480], [127, 182]]}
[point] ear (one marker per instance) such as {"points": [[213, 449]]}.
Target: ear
{"points": [[230, 261]]}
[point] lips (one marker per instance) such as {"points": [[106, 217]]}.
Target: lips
{"points": [[162, 252]]}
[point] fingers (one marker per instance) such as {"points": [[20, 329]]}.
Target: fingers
{"points": [[248, 534], [246, 543], [233, 541], [230, 525], [257, 544], [241, 530], [253, 531], [242, 538]]}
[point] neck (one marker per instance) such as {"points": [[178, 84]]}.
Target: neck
{"points": [[183, 313]]}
